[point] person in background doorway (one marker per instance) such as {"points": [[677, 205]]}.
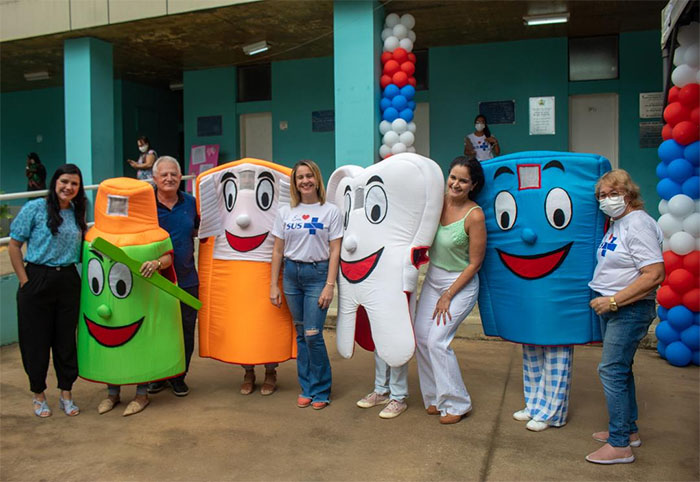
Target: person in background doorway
{"points": [[35, 172], [147, 157], [485, 145]]}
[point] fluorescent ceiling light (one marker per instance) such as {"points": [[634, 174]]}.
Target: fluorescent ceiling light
{"points": [[176, 85], [256, 48], [546, 19], [31, 76]]}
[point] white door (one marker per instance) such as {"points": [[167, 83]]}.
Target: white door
{"points": [[256, 135], [593, 121], [421, 117]]}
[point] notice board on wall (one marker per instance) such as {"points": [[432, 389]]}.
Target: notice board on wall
{"points": [[323, 121], [498, 112]]}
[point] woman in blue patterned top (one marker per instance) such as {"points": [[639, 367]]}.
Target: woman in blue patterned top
{"points": [[48, 298]]}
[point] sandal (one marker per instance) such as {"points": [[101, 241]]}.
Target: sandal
{"points": [[270, 384], [41, 408], [70, 408]]}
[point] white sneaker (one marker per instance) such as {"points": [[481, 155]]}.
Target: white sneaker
{"points": [[522, 415], [393, 409], [536, 426], [372, 400]]}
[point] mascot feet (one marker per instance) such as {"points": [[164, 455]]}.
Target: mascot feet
{"points": [[270, 384], [137, 405], [107, 404], [248, 385]]}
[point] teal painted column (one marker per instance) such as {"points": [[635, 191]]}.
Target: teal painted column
{"points": [[356, 50], [89, 107]]}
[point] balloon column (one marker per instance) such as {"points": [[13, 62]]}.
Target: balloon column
{"points": [[398, 85], [678, 333]]}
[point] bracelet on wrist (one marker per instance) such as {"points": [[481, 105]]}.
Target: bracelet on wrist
{"points": [[330, 284], [160, 265]]}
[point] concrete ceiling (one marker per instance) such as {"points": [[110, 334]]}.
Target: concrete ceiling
{"points": [[156, 50]]}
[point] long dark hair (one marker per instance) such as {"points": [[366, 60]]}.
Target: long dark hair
{"points": [[476, 172], [487, 131], [34, 157], [54, 207]]}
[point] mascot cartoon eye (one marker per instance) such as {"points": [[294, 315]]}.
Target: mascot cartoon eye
{"points": [[348, 208], [376, 205], [506, 210], [230, 192], [96, 277], [120, 280], [264, 194], [557, 207]]}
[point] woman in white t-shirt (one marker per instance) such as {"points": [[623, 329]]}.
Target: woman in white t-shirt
{"points": [[630, 268], [485, 145], [308, 234]]}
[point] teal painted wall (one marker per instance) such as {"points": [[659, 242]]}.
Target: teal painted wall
{"points": [[8, 310]]}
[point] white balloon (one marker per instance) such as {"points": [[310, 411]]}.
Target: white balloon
{"points": [[406, 44], [391, 44], [697, 77], [384, 127], [390, 138], [387, 32], [679, 56], [697, 244], [408, 20], [681, 205], [384, 151], [681, 243], [692, 55], [407, 138], [668, 223], [411, 149], [412, 127], [399, 125], [681, 76], [688, 34], [391, 20], [398, 148], [665, 245], [663, 204], [412, 36], [691, 224], [400, 31]]}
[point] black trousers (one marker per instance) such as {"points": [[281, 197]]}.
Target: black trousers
{"points": [[48, 306], [189, 320]]}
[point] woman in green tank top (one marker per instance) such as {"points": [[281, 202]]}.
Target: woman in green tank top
{"points": [[450, 292]]}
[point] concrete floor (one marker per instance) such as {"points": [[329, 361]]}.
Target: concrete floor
{"points": [[217, 434]]}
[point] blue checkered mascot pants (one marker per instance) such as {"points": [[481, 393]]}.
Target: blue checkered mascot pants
{"points": [[547, 382]]}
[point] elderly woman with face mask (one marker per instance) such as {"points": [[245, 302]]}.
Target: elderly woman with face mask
{"points": [[630, 268]]}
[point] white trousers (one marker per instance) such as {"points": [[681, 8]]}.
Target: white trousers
{"points": [[547, 382], [440, 378]]}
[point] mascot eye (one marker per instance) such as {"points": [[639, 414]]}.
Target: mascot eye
{"points": [[230, 192], [348, 208], [376, 205], [264, 194], [558, 208], [120, 280], [96, 277], [506, 210]]}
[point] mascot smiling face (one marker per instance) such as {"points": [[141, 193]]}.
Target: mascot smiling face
{"points": [[543, 226]]}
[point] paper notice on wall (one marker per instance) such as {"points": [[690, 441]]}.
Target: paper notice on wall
{"points": [[651, 105], [198, 155], [196, 170], [541, 116]]}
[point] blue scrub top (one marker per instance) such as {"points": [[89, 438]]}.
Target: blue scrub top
{"points": [[181, 222]]}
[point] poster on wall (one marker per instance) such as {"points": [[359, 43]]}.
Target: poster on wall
{"points": [[202, 158], [542, 116]]}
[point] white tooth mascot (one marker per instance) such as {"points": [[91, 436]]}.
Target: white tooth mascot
{"points": [[391, 213]]}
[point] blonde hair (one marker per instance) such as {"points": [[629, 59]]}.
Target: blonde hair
{"points": [[294, 192], [620, 180]]}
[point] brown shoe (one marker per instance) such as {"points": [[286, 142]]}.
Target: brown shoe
{"points": [[432, 410], [270, 384], [248, 385], [135, 406], [107, 404], [450, 419]]}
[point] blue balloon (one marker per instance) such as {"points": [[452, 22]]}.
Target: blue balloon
{"points": [[384, 104], [691, 187], [391, 91], [408, 91], [662, 312], [399, 103], [680, 318], [696, 358], [678, 354], [661, 170], [661, 348], [696, 318], [679, 170], [390, 114], [691, 337], [666, 334], [669, 150], [666, 188], [412, 105], [407, 115], [692, 153]]}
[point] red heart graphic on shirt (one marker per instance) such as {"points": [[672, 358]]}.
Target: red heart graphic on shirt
{"points": [[305, 216]]}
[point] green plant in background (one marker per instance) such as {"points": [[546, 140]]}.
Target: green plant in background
{"points": [[4, 214]]}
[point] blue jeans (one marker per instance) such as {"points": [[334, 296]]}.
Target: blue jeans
{"points": [[393, 381], [303, 283], [622, 331]]}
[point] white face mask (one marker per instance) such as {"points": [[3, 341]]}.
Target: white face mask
{"points": [[143, 148], [613, 206], [479, 126]]}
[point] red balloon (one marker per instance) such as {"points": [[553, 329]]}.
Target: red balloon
{"points": [[691, 299], [412, 81], [400, 78], [686, 132], [675, 113], [400, 55], [695, 116], [391, 67], [384, 81], [673, 94], [682, 281], [668, 298], [691, 262], [408, 67], [672, 262], [412, 57], [689, 95], [667, 132], [386, 56]]}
